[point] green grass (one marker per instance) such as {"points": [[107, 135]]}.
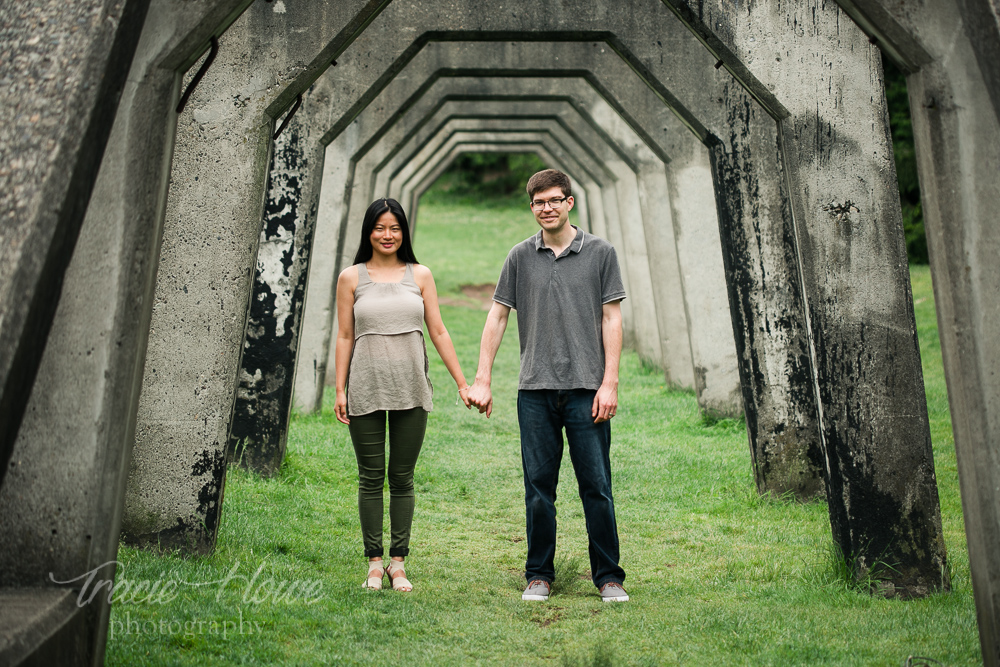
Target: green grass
{"points": [[717, 574]]}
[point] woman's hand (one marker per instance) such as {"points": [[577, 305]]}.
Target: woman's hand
{"points": [[463, 393], [340, 408]]}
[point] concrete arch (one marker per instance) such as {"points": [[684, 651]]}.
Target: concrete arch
{"points": [[383, 106], [455, 68]]}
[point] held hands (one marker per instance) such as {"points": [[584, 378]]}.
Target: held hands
{"points": [[481, 396], [605, 403], [463, 395], [340, 408]]}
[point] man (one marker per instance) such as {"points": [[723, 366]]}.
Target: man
{"points": [[566, 287]]}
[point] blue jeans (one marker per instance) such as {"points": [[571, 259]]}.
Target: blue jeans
{"points": [[542, 414]]}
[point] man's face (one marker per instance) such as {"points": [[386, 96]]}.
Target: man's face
{"points": [[551, 217]]}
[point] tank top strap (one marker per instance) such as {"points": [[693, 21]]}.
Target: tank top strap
{"points": [[408, 274], [363, 277]]}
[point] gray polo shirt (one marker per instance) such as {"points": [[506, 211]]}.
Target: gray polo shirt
{"points": [[559, 309]]}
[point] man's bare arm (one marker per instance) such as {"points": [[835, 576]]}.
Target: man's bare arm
{"points": [[481, 395], [606, 400]]}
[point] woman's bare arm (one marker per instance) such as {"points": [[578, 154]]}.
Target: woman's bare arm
{"points": [[437, 331], [347, 282]]}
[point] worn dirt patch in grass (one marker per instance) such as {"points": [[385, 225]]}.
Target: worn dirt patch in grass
{"points": [[479, 297]]}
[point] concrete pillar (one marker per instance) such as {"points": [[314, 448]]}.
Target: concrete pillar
{"points": [[696, 231], [209, 245], [955, 103], [70, 66], [60, 506], [259, 431], [881, 490], [766, 304], [213, 222], [319, 309]]}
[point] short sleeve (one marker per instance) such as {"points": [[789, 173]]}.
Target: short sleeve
{"points": [[506, 292], [612, 288]]}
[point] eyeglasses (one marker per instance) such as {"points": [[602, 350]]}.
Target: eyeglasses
{"points": [[555, 202]]}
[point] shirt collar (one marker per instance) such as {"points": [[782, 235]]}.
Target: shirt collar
{"points": [[574, 246]]}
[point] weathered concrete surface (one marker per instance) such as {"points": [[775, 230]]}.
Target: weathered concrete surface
{"points": [[212, 228], [954, 96], [766, 304], [259, 431], [882, 491], [209, 244], [62, 69], [60, 506], [43, 626], [319, 308], [703, 279]]}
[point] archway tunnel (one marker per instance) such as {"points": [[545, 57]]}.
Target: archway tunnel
{"points": [[737, 158]]}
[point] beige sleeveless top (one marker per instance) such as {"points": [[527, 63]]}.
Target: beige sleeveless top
{"points": [[389, 365]]}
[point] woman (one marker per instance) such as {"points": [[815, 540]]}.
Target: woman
{"points": [[382, 367]]}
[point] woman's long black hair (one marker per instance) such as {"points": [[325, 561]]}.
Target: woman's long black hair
{"points": [[376, 209]]}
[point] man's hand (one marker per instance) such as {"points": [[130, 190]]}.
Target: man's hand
{"points": [[605, 403], [481, 396]]}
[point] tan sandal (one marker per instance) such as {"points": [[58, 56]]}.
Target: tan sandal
{"points": [[376, 570], [397, 575]]}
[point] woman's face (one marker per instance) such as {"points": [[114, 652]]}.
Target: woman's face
{"points": [[387, 236]]}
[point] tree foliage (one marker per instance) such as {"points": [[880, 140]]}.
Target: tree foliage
{"points": [[906, 162], [489, 176]]}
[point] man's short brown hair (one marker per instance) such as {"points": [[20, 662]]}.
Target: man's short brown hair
{"points": [[549, 178]]}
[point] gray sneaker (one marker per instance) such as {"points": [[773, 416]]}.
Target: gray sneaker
{"points": [[613, 592], [536, 590]]}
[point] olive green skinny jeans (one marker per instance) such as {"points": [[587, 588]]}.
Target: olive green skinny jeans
{"points": [[406, 435]]}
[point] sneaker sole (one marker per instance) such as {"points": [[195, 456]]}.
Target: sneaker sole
{"points": [[619, 598], [539, 598]]}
